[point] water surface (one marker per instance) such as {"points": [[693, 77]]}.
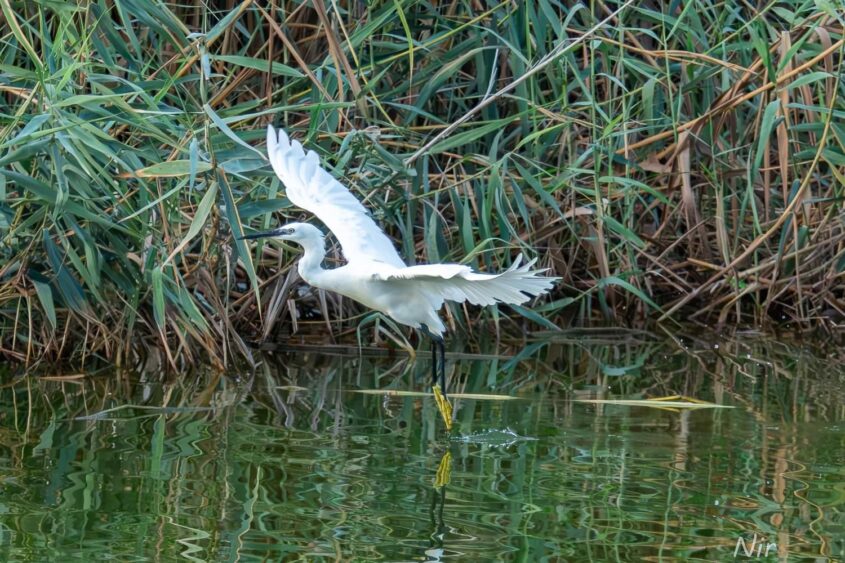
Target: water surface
{"points": [[290, 462]]}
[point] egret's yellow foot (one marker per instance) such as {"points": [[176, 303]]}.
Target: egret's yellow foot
{"points": [[444, 471], [444, 406]]}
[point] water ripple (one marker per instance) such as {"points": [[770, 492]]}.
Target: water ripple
{"points": [[318, 473]]}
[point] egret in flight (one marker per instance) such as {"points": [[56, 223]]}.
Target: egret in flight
{"points": [[374, 273]]}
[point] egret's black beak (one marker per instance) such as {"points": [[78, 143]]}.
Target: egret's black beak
{"points": [[268, 234]]}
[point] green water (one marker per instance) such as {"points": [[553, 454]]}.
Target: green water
{"points": [[289, 462]]}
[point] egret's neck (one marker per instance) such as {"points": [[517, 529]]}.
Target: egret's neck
{"points": [[311, 264]]}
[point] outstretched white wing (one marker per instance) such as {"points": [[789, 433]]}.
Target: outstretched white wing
{"points": [[309, 186]]}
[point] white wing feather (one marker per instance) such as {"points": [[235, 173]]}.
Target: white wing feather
{"points": [[309, 186], [455, 282]]}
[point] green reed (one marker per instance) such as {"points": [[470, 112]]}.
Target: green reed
{"points": [[678, 160]]}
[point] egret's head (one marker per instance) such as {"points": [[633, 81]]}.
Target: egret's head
{"points": [[294, 232]]}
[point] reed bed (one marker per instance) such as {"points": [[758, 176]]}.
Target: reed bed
{"points": [[668, 161]]}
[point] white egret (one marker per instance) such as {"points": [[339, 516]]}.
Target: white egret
{"points": [[374, 274]]}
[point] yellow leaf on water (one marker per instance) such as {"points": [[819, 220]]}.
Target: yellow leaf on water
{"points": [[660, 403]]}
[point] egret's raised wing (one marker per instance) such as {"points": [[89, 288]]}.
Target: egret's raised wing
{"points": [[309, 186], [456, 282]]}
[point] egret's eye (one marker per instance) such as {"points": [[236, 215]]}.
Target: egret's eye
{"points": [[286, 231]]}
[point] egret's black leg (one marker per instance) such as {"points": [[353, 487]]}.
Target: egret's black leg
{"points": [[439, 364], [431, 337], [437, 342], [433, 362]]}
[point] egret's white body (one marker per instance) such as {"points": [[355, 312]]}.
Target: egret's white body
{"points": [[410, 295], [375, 275]]}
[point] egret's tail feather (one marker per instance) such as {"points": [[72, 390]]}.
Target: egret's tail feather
{"points": [[516, 285], [455, 282]]}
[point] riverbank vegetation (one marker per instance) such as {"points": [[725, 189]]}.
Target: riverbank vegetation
{"points": [[669, 161]]}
